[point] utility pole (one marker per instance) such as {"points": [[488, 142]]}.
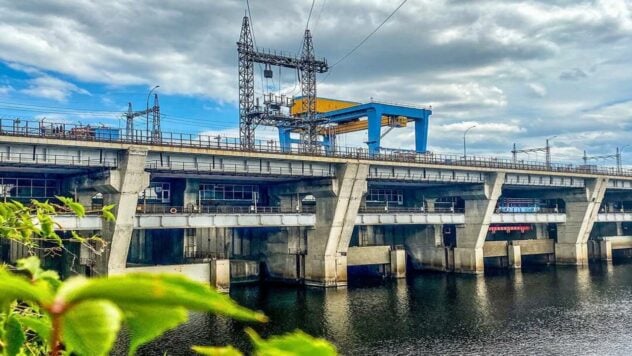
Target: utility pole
{"points": [[546, 149], [251, 115], [130, 115], [147, 109], [616, 156], [245, 50], [309, 137], [155, 127]]}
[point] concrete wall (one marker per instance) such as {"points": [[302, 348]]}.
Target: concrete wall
{"points": [[369, 255], [200, 272]]}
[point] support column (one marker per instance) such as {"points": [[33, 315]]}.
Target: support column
{"points": [[336, 212], [600, 250], [190, 198], [468, 254], [619, 228], [514, 255], [581, 213], [220, 275], [541, 232], [121, 188], [398, 263]]}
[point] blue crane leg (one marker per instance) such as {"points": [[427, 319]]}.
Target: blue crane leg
{"points": [[284, 140], [375, 130], [421, 133]]}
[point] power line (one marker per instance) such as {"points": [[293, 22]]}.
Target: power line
{"points": [[322, 7], [310, 14], [101, 114], [367, 37]]}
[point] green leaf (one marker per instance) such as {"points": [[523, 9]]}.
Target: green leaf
{"points": [[146, 323], [14, 336], [296, 343], [156, 290], [14, 287], [90, 328], [30, 264], [40, 325], [107, 212], [76, 208], [216, 351]]}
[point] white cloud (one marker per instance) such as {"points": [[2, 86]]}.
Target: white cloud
{"points": [[5, 89], [474, 61], [538, 90], [52, 88]]}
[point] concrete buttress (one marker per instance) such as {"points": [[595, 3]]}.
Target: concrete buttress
{"points": [[124, 185], [468, 254], [336, 212], [581, 213]]}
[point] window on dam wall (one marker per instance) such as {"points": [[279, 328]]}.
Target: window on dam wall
{"points": [[227, 192], [28, 188]]}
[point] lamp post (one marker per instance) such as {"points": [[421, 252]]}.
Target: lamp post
{"points": [[619, 151], [464, 143], [147, 111]]}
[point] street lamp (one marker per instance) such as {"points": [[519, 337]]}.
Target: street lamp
{"points": [[464, 144], [147, 111], [619, 151]]}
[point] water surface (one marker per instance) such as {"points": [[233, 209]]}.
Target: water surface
{"points": [[543, 310]]}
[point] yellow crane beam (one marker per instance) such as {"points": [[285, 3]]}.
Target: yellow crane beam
{"points": [[359, 125]]}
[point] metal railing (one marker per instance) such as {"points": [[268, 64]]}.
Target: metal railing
{"points": [[74, 132], [528, 210], [416, 210], [55, 160], [166, 209], [235, 168]]}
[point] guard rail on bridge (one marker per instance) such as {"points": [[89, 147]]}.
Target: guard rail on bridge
{"points": [[234, 169], [166, 209], [46, 160], [65, 131]]}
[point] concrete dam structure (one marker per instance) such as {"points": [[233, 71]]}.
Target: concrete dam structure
{"points": [[221, 214]]}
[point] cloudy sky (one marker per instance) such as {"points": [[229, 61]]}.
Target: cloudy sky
{"points": [[521, 71]]}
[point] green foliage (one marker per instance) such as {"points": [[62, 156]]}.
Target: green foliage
{"points": [[297, 343], [40, 314], [216, 351], [88, 312], [75, 207], [107, 213], [14, 336], [31, 225], [90, 328]]}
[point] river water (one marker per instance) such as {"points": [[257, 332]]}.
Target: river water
{"points": [[539, 310]]}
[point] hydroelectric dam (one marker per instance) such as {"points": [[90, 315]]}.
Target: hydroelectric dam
{"points": [[221, 214]]}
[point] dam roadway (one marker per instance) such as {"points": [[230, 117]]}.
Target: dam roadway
{"points": [[219, 213]]}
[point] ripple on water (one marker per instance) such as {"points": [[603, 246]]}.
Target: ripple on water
{"points": [[539, 311]]}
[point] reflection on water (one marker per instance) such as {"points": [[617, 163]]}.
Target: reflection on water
{"points": [[547, 310]]}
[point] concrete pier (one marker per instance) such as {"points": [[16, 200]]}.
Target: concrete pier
{"points": [[336, 211], [121, 188], [479, 208], [581, 213]]}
